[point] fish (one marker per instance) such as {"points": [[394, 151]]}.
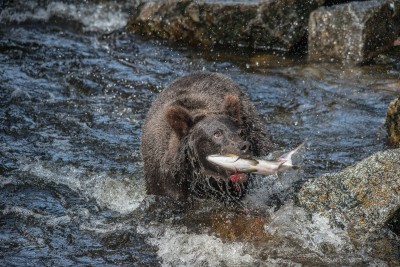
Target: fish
{"points": [[234, 164]]}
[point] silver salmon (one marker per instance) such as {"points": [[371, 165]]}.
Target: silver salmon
{"points": [[235, 164]]}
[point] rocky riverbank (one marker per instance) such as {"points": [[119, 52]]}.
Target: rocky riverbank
{"points": [[351, 33], [264, 25]]}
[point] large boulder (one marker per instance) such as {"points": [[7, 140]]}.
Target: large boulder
{"points": [[393, 123], [353, 33], [365, 196], [265, 25]]}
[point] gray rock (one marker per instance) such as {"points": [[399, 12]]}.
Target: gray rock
{"points": [[353, 33], [265, 25], [393, 123], [364, 196]]}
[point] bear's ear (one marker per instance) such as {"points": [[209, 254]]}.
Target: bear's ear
{"points": [[179, 119], [231, 106]]}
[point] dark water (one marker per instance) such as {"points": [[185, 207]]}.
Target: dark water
{"points": [[74, 91]]}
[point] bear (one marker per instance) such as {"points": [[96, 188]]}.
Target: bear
{"points": [[195, 116]]}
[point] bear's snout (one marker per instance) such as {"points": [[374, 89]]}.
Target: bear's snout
{"points": [[239, 148], [245, 147]]}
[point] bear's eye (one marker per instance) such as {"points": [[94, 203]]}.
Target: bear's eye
{"points": [[218, 134]]}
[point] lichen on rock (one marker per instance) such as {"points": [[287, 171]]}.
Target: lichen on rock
{"points": [[365, 195]]}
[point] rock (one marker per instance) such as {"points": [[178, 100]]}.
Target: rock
{"points": [[265, 25], [364, 196], [353, 33], [393, 123]]}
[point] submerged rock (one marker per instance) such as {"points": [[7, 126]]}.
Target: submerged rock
{"points": [[265, 25], [393, 123], [364, 196], [353, 33]]}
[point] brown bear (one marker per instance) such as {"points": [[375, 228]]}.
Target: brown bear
{"points": [[198, 115]]}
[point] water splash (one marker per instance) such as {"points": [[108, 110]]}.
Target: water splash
{"points": [[104, 17], [178, 247], [114, 191]]}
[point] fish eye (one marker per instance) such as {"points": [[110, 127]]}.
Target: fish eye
{"points": [[218, 134]]}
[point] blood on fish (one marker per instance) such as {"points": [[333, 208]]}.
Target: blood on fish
{"points": [[235, 178]]}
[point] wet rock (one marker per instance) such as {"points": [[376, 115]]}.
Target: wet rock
{"points": [[364, 196], [393, 123], [265, 25], [236, 227], [353, 33]]}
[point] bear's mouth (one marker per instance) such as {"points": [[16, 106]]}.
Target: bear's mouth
{"points": [[234, 177], [238, 177]]}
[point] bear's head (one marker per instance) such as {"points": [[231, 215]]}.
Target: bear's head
{"points": [[213, 133]]}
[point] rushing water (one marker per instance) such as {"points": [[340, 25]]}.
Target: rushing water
{"points": [[74, 91]]}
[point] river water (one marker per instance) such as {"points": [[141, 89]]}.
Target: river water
{"points": [[74, 91]]}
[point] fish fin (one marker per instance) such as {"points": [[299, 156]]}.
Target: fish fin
{"points": [[253, 162], [296, 167], [231, 155]]}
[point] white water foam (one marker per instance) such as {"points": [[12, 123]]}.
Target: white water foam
{"points": [[121, 194], [177, 247], [313, 231], [94, 17]]}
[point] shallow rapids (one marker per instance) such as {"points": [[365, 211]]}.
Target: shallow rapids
{"points": [[74, 91]]}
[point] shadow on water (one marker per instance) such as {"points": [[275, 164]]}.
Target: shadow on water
{"points": [[73, 99]]}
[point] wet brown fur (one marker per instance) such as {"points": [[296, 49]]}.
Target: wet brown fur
{"points": [[175, 138]]}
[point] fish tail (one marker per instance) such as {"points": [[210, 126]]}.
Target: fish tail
{"points": [[297, 148], [287, 157]]}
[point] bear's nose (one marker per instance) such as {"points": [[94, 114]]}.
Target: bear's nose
{"points": [[245, 147]]}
